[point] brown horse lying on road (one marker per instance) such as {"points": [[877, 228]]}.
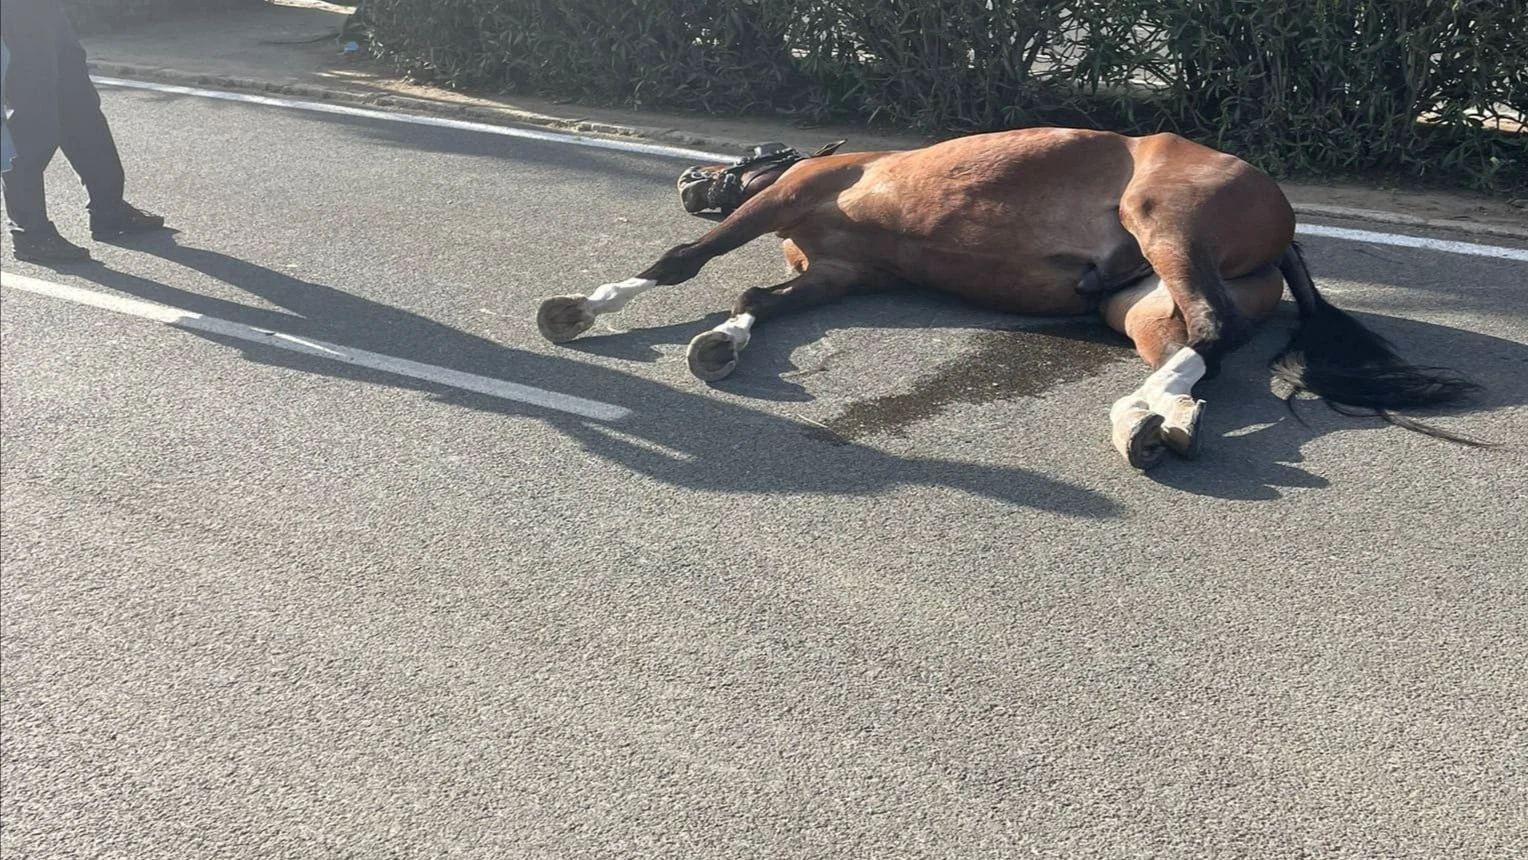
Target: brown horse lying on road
{"points": [[1180, 247]]}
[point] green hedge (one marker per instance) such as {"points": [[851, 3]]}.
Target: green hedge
{"points": [[94, 16], [1304, 86]]}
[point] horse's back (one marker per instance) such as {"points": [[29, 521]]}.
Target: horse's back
{"points": [[1014, 219], [1008, 219]]}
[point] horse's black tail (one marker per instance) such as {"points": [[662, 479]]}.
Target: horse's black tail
{"points": [[1333, 356]]}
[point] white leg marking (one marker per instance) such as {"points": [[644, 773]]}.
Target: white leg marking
{"points": [[1163, 388], [1127, 406], [737, 329], [1165, 397], [1174, 379], [613, 297]]}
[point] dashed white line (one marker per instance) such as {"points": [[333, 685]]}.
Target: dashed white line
{"points": [[179, 318]]}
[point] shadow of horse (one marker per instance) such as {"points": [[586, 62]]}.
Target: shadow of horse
{"points": [[671, 436], [1257, 437], [694, 442], [1046, 351]]}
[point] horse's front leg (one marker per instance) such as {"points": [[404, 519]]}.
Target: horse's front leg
{"points": [[562, 318], [713, 354]]}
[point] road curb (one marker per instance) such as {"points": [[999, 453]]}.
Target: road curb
{"points": [[503, 116]]}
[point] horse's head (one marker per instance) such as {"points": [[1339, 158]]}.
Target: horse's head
{"points": [[724, 187]]}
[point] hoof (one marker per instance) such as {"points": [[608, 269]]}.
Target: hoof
{"points": [[712, 356], [563, 318], [1180, 429], [1139, 438]]}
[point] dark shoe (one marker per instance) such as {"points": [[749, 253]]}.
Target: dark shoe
{"points": [[46, 246], [123, 220]]}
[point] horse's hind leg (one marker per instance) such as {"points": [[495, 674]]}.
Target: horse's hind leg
{"points": [[1139, 420], [1163, 414], [1213, 323], [562, 318], [713, 354]]}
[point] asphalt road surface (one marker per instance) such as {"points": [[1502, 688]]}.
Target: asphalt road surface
{"points": [[886, 592]]}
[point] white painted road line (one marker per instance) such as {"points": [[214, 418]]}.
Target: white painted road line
{"points": [[1395, 239], [376, 361], [1400, 240], [1401, 219], [415, 119], [1468, 248]]}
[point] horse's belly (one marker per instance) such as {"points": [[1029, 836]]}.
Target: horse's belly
{"points": [[1019, 294], [1018, 262], [1019, 284]]}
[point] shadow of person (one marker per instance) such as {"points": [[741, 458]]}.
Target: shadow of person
{"points": [[678, 438]]}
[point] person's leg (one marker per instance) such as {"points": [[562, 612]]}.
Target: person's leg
{"points": [[31, 94], [6, 150], [85, 136], [88, 144]]}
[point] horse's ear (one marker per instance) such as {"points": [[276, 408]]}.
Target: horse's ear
{"points": [[829, 149]]}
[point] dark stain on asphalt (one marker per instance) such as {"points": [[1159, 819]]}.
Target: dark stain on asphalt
{"points": [[1004, 365]]}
